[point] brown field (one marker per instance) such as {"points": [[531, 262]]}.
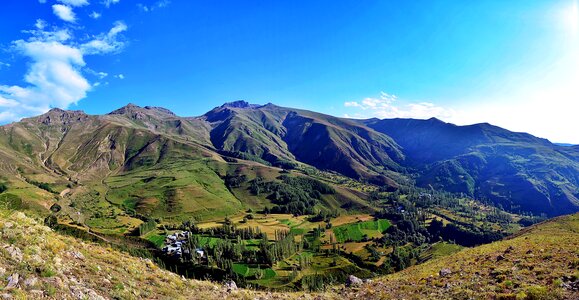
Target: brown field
{"points": [[348, 219]]}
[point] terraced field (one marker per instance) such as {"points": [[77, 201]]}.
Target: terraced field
{"points": [[359, 231]]}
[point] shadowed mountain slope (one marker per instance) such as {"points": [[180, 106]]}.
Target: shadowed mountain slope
{"points": [[516, 170]]}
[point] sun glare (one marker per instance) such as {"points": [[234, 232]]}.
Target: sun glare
{"points": [[570, 17]]}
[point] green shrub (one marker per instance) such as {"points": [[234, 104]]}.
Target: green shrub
{"points": [[538, 292], [47, 272]]}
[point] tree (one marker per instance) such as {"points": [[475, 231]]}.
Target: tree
{"points": [[51, 221]]}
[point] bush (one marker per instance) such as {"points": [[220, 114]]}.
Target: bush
{"points": [[3, 187], [538, 292]]}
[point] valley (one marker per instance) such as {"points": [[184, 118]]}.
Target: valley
{"points": [[278, 198]]}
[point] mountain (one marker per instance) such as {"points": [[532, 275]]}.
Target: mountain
{"points": [[149, 161], [516, 170], [277, 134], [296, 199]]}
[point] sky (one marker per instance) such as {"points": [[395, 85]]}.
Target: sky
{"points": [[514, 64]]}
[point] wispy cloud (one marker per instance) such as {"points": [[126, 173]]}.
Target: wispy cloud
{"points": [[156, 5], [64, 12], [95, 15], [388, 106], [75, 3], [108, 3], [106, 43]]}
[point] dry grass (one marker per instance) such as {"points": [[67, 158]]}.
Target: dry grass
{"points": [[531, 265], [100, 271]]}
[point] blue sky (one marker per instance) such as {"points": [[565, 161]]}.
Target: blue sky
{"points": [[510, 63]]}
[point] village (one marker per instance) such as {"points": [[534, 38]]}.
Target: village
{"points": [[174, 245]]}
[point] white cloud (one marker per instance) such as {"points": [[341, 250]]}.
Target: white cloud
{"points": [[64, 12], [120, 76], [386, 106], [40, 24], [156, 5], [75, 3], [108, 3], [95, 15], [54, 77], [4, 65], [106, 43], [41, 1], [100, 75]]}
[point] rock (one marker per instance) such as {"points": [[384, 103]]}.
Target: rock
{"points": [[36, 260], [30, 282], [82, 293], [76, 255], [509, 249], [36, 294], [572, 286], [444, 272], [353, 281], [15, 253], [230, 285], [13, 281], [500, 257], [6, 296], [55, 282]]}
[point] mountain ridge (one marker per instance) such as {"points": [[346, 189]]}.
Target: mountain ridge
{"points": [[516, 170]]}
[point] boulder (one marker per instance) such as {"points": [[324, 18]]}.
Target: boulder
{"points": [[354, 281], [444, 272], [13, 281], [30, 282], [15, 253], [76, 255], [230, 285]]}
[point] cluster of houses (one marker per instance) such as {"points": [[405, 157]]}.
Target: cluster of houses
{"points": [[174, 245]]}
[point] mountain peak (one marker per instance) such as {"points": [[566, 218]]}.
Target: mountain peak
{"points": [[138, 112], [125, 109], [239, 104], [60, 116]]}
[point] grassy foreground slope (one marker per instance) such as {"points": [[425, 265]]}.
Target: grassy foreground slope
{"points": [[52, 266], [541, 262]]}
